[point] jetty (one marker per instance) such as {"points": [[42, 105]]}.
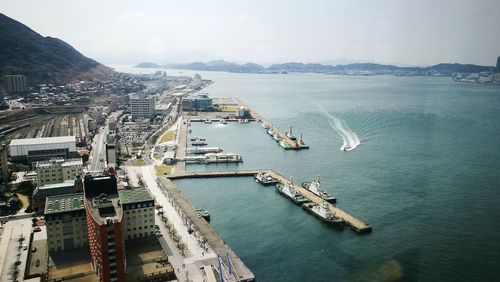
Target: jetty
{"points": [[287, 143], [354, 223]]}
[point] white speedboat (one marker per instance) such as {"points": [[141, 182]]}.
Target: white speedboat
{"points": [[346, 148], [207, 121], [271, 132], [223, 121], [323, 212], [320, 191]]}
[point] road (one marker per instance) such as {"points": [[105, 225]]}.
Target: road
{"points": [[97, 156], [11, 249]]}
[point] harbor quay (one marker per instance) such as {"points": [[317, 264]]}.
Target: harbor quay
{"points": [[354, 223]]}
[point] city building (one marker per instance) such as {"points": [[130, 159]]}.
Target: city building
{"points": [[41, 193], [104, 214], [498, 64], [142, 106], [163, 110], [139, 212], [58, 170], [197, 102], [111, 152], [14, 84], [244, 112], [65, 221], [32, 150], [4, 164]]}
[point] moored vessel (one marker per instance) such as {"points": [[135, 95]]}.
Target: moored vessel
{"points": [[290, 135], [319, 190], [323, 212], [288, 191], [265, 179], [203, 213]]}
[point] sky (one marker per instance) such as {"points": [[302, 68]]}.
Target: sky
{"points": [[405, 33]]}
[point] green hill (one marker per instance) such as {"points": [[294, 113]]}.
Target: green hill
{"points": [[42, 59]]}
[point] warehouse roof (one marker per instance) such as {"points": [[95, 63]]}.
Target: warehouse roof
{"points": [[44, 140]]}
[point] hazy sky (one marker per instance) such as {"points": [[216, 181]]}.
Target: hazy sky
{"points": [[400, 32]]}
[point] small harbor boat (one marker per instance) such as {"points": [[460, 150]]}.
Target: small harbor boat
{"points": [[323, 212], [197, 138], [288, 191], [223, 158], [198, 143], [208, 121], [265, 126], [223, 121], [319, 190], [290, 135], [265, 179], [277, 137], [203, 213], [270, 131]]}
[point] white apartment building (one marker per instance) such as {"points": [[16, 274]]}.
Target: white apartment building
{"points": [[142, 106], [138, 212], [65, 221], [58, 170]]}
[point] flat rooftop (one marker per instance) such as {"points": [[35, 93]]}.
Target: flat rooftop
{"points": [[134, 195], [64, 203], [44, 140], [65, 183]]}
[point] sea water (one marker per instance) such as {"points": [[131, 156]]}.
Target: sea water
{"points": [[424, 171]]}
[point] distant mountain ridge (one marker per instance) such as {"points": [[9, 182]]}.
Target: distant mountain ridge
{"points": [[354, 68], [42, 59]]}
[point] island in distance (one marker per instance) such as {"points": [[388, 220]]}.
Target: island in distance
{"points": [[459, 72]]}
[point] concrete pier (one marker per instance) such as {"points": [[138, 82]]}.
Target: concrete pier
{"points": [[289, 144], [353, 222]]}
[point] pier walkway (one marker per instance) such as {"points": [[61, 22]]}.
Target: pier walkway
{"points": [[289, 143], [356, 224]]}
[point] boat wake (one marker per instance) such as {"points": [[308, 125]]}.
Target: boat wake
{"points": [[349, 138]]}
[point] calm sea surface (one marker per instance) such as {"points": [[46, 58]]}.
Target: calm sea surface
{"points": [[426, 176]]}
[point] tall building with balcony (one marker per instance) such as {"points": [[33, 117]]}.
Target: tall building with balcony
{"points": [[142, 106], [104, 215], [15, 84]]}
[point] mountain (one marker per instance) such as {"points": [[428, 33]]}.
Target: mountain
{"points": [[347, 69], [220, 65], [148, 65], [42, 59]]}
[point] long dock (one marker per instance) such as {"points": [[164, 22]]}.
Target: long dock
{"points": [[288, 143], [353, 222], [240, 270]]}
